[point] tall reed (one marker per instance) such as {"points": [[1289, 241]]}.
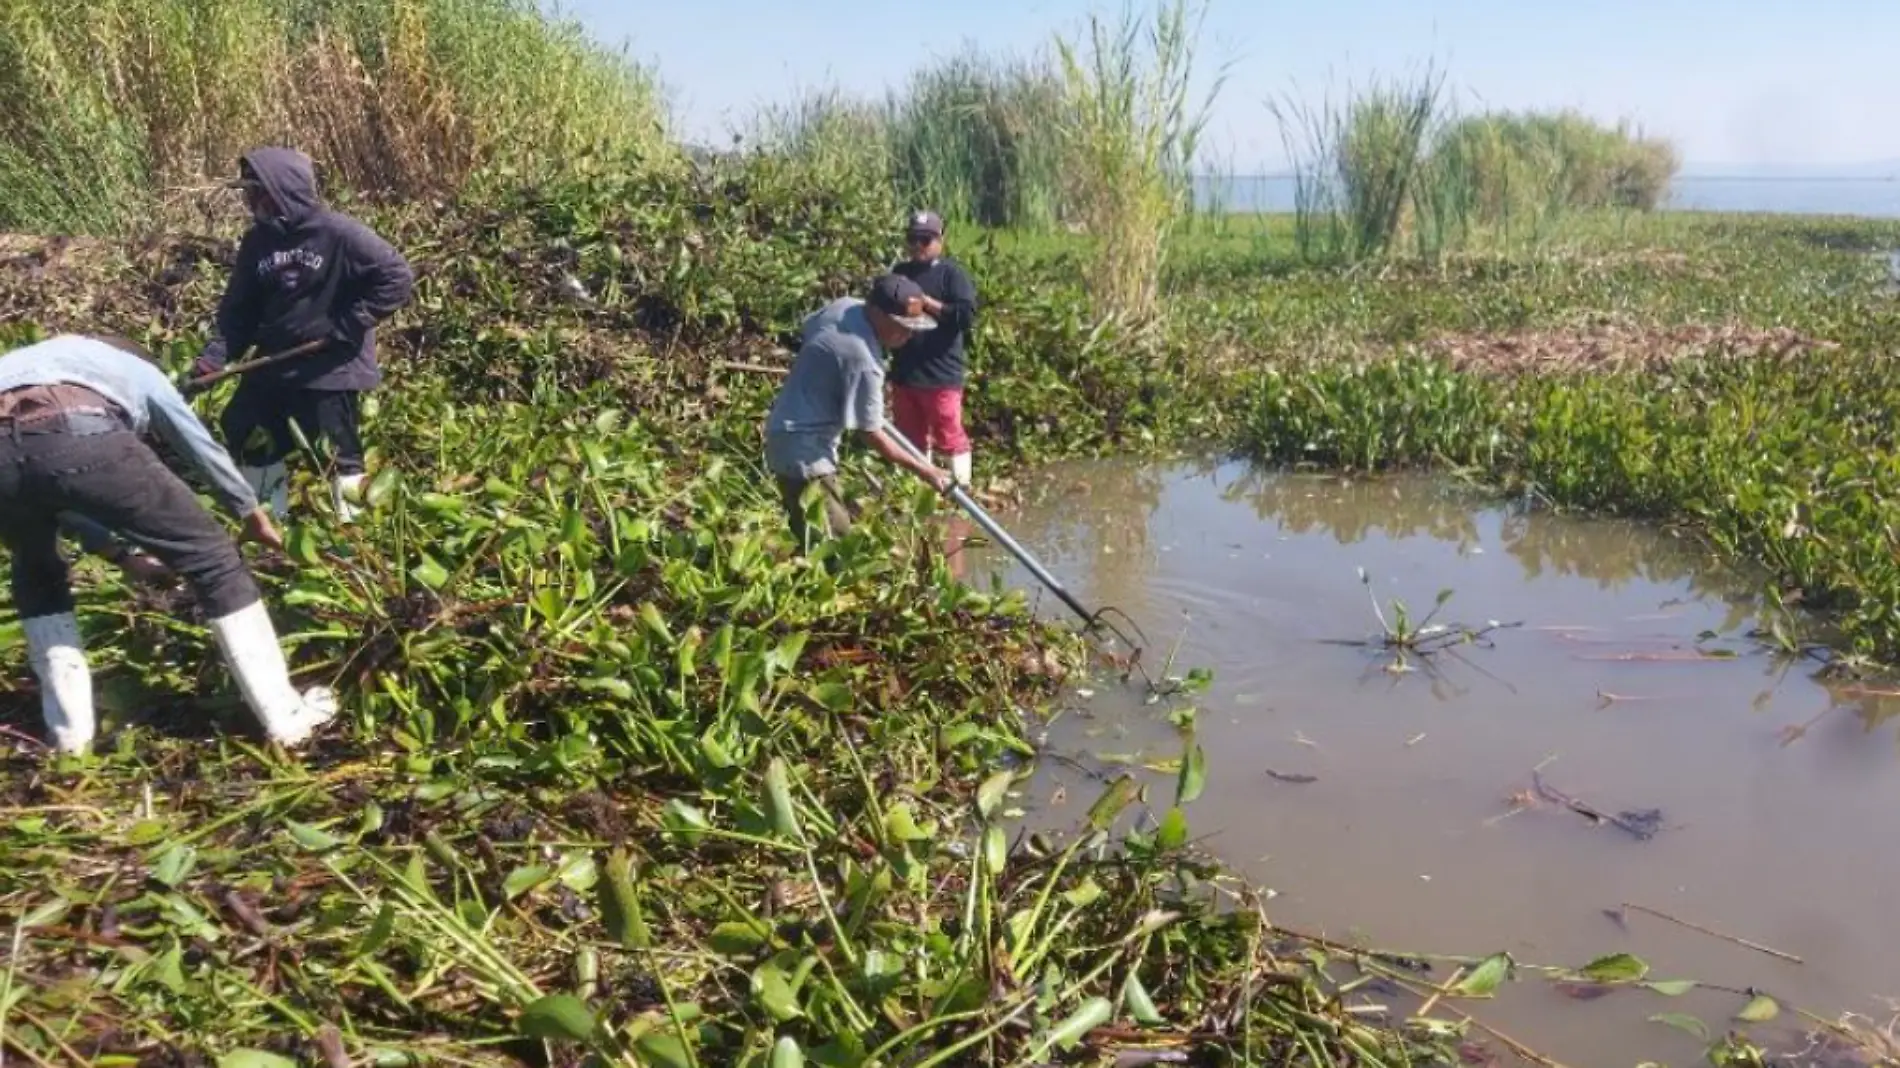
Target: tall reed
{"points": [[1129, 132], [1395, 166], [110, 110], [971, 138], [1358, 164], [1593, 165], [833, 141]]}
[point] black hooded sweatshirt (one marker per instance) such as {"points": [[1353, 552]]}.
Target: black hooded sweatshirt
{"points": [[308, 274]]}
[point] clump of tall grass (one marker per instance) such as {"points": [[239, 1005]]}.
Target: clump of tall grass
{"points": [[826, 128], [1128, 137], [831, 141], [109, 109], [1359, 167], [1397, 165], [1101, 138], [1586, 163], [971, 138], [1480, 179]]}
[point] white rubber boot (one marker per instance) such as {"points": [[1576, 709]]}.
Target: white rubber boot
{"points": [[249, 644], [272, 486], [58, 656], [960, 468], [340, 490]]}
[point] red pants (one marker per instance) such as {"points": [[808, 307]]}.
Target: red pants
{"points": [[931, 418]]}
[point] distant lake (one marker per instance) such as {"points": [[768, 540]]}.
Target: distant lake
{"points": [[1871, 197]]}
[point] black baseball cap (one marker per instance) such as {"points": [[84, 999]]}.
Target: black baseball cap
{"points": [[901, 299], [924, 224]]}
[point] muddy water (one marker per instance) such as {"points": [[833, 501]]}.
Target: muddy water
{"points": [[1414, 834]]}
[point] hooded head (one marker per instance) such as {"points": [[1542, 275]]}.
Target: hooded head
{"points": [[284, 175]]}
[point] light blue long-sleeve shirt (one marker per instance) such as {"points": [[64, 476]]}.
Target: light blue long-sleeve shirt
{"points": [[144, 394]]}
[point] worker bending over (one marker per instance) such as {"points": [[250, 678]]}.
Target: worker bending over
{"points": [[73, 414], [836, 385]]}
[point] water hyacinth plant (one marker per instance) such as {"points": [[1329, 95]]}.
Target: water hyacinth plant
{"points": [[621, 778]]}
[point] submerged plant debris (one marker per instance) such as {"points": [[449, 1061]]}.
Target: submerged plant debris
{"points": [[1640, 824]]}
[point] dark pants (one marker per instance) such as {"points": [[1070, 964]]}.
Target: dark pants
{"points": [[108, 475], [256, 424], [791, 493]]}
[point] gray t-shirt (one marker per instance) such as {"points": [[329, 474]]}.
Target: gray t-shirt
{"points": [[836, 384]]}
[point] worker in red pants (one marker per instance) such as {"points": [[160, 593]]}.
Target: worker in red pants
{"points": [[928, 372]]}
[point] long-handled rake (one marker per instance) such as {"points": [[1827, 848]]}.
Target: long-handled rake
{"points": [[1092, 621]]}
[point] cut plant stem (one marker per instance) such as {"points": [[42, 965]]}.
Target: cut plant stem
{"points": [[1731, 939]]}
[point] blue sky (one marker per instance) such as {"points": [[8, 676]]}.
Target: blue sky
{"points": [[1739, 83]]}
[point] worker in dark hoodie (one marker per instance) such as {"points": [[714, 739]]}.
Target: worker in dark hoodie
{"points": [[304, 274]]}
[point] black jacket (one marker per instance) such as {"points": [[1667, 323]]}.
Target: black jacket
{"points": [[935, 358], [310, 274]]}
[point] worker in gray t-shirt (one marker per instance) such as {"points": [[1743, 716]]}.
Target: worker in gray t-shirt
{"points": [[837, 384]]}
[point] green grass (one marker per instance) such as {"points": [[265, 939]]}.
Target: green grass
{"points": [[969, 138], [1581, 163], [1102, 140], [1128, 132]]}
